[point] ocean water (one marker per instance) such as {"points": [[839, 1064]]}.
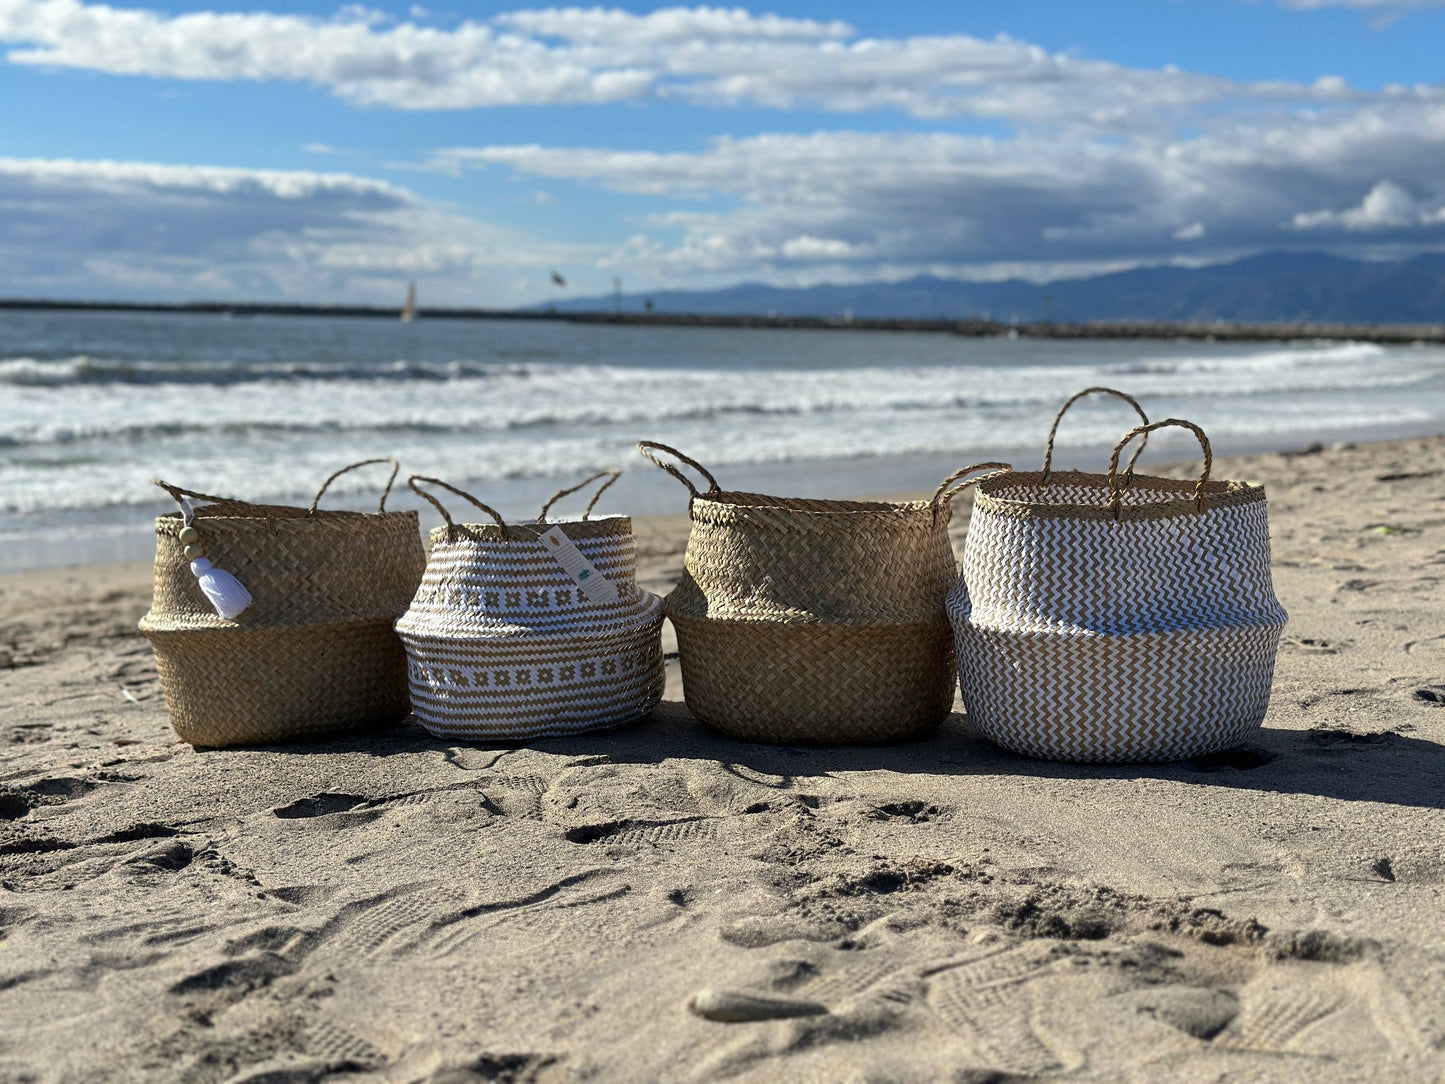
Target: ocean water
{"points": [[93, 405]]}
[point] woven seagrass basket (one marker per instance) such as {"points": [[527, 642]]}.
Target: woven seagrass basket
{"points": [[314, 653], [1116, 617], [503, 642], [818, 621]]}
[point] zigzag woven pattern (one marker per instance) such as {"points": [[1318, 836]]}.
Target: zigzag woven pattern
{"points": [[1080, 636], [501, 642]]}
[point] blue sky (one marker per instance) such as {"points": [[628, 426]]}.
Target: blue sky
{"points": [[315, 152]]}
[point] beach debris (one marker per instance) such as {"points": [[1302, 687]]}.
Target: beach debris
{"points": [[1195, 1010], [1388, 528], [741, 1007]]}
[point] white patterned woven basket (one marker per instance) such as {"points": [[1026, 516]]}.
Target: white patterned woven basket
{"points": [[1116, 617], [502, 642]]}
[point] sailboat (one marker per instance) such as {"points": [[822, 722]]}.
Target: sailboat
{"points": [[408, 310]]}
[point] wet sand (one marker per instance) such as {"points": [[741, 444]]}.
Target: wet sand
{"points": [[665, 904]]}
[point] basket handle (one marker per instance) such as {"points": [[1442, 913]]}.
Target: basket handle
{"points": [[1116, 488], [380, 508], [1054, 429], [648, 447], [179, 495], [611, 474], [959, 480], [451, 527]]}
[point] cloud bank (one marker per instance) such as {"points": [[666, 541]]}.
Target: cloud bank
{"points": [[1095, 165], [847, 204], [573, 56], [134, 229]]}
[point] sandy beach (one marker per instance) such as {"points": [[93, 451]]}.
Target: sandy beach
{"points": [[665, 904]]}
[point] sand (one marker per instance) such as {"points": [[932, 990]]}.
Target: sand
{"points": [[664, 904]]}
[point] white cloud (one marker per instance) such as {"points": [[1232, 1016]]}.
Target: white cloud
{"points": [[707, 56], [136, 229], [668, 26], [1385, 206]]}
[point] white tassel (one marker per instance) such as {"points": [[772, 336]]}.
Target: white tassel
{"points": [[227, 594]]}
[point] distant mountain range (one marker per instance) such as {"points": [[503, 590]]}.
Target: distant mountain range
{"points": [[1271, 288]]}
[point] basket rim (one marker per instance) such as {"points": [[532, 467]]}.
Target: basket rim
{"points": [[172, 522], [724, 502], [531, 530], [1216, 494], [626, 627]]}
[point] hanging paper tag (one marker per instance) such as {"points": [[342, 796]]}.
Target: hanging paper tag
{"points": [[597, 587]]}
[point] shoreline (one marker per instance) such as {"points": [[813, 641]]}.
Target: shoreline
{"points": [[968, 327], [671, 528], [123, 535]]}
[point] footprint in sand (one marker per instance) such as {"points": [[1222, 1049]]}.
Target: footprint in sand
{"points": [[319, 805], [518, 795], [17, 803], [643, 833], [1322, 1010], [336, 1042], [1431, 649], [1200, 1011], [987, 1004], [391, 923], [1271, 1019], [436, 919]]}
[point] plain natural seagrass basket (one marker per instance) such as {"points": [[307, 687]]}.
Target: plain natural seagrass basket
{"points": [[1116, 617], [314, 653], [817, 621], [504, 642]]}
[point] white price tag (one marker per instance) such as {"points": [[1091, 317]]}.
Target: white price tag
{"points": [[596, 587]]}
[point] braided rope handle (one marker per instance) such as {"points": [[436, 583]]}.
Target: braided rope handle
{"points": [[1054, 429], [647, 447], [1116, 490], [390, 479], [959, 480], [451, 527], [611, 474], [179, 495]]}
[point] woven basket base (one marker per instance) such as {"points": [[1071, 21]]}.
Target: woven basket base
{"points": [[1115, 699], [523, 687], [239, 686], [816, 684]]}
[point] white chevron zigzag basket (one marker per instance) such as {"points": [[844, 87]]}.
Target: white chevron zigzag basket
{"points": [[1116, 617], [502, 642]]}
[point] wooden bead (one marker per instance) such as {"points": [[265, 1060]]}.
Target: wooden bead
{"points": [[189, 536], [193, 552]]}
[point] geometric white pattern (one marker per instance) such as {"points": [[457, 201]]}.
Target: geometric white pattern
{"points": [[501, 643]]}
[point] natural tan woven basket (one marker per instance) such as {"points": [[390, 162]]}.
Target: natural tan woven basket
{"points": [[504, 643], [814, 620], [1116, 617], [315, 652]]}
